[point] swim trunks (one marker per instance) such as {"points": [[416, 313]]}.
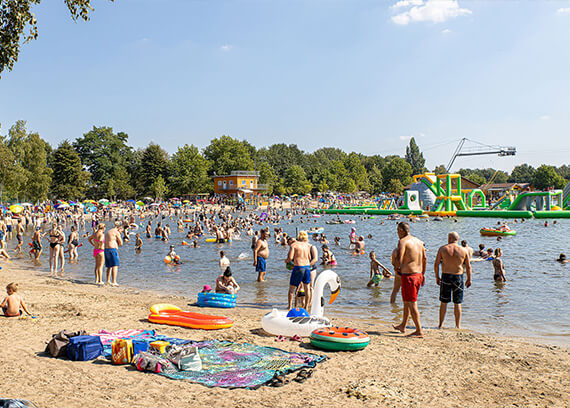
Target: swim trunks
{"points": [[111, 257], [36, 245], [411, 284], [451, 286], [300, 274], [261, 265]]}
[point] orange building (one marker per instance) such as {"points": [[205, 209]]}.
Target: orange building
{"points": [[242, 182]]}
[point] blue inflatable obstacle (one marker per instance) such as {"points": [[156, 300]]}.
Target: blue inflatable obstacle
{"points": [[208, 299]]}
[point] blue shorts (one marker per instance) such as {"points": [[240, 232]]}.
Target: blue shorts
{"points": [[261, 265], [111, 257], [300, 274]]}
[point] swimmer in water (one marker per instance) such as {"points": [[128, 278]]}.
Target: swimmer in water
{"points": [[562, 259], [138, 243], [375, 275]]}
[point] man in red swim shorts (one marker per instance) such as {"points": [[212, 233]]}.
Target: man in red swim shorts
{"points": [[412, 261]]}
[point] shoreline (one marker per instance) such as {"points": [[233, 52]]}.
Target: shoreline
{"points": [[446, 368], [559, 340]]}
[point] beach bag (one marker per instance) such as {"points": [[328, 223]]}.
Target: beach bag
{"points": [[84, 348], [57, 346], [139, 345], [122, 351], [147, 361], [185, 357]]}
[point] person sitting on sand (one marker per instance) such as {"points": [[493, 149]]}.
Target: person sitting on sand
{"points": [[562, 259], [375, 275], [328, 257], [226, 283], [499, 267], [13, 304]]}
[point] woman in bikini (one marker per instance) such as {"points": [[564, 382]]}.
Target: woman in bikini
{"points": [[98, 242], [72, 244], [499, 275], [59, 249], [54, 238]]}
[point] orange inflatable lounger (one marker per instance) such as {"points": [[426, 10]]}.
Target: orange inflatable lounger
{"points": [[164, 313]]}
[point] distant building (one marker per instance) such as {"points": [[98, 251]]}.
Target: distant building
{"points": [[496, 190], [243, 182]]}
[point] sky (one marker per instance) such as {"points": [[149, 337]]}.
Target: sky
{"points": [[359, 75]]}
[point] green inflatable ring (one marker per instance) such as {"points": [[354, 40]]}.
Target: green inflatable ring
{"points": [[336, 346], [350, 340]]}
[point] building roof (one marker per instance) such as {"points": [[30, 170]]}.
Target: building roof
{"points": [[240, 173], [504, 186]]}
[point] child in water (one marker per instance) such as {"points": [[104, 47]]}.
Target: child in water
{"points": [[13, 304], [138, 243], [499, 275], [328, 257], [375, 275], [175, 259]]}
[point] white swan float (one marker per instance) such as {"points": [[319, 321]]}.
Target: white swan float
{"points": [[276, 322]]}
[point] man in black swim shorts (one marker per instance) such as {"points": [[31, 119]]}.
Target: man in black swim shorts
{"points": [[453, 258]]}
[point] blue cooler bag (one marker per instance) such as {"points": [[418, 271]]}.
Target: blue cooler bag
{"points": [[84, 348]]}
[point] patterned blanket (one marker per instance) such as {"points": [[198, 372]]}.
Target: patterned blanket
{"points": [[233, 365]]}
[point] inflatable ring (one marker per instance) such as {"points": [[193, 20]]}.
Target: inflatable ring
{"points": [[335, 346], [340, 335]]}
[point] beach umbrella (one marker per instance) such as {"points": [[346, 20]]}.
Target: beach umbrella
{"points": [[154, 204], [62, 206], [147, 198], [130, 201], [140, 203], [103, 201], [26, 205], [16, 208]]}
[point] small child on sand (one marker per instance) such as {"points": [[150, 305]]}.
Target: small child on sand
{"points": [[13, 303], [375, 275]]}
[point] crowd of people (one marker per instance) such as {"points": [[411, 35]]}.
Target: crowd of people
{"points": [[224, 223]]}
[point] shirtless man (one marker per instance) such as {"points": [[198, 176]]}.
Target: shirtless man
{"points": [[112, 243], [19, 236], [412, 263], [468, 249], [300, 254], [452, 258], [260, 255]]}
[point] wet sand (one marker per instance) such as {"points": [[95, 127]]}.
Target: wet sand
{"points": [[447, 368]]}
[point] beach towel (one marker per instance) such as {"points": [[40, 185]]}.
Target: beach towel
{"points": [[107, 338], [233, 365]]}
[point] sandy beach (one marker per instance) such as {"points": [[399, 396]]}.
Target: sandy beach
{"points": [[447, 368]]}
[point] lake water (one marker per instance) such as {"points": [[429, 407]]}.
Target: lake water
{"points": [[532, 303]]}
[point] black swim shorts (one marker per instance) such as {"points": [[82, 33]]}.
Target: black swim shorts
{"points": [[451, 286]]}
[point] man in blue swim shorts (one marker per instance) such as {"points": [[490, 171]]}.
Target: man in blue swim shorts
{"points": [[260, 255], [300, 254], [113, 241], [453, 259]]}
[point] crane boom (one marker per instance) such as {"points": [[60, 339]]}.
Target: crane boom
{"points": [[480, 150]]}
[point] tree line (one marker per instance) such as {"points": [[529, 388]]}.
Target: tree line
{"points": [[101, 163]]}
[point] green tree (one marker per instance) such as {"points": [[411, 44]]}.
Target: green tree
{"points": [[395, 186], [281, 157], [295, 181], [475, 178], [9, 184], [105, 155], [154, 163], [18, 26], [376, 181], [267, 176], [397, 169], [30, 153], [522, 174], [69, 181], [564, 172], [227, 154], [189, 172], [415, 157], [546, 177], [440, 170], [159, 188], [357, 172]]}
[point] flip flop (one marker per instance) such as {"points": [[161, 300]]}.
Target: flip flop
{"points": [[280, 338], [278, 381], [303, 375], [296, 338]]}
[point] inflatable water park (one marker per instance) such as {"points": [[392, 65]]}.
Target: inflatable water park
{"points": [[442, 195]]}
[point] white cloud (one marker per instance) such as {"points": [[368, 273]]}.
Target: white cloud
{"points": [[407, 3], [435, 11], [226, 47], [446, 31], [406, 137], [564, 10], [545, 117]]}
